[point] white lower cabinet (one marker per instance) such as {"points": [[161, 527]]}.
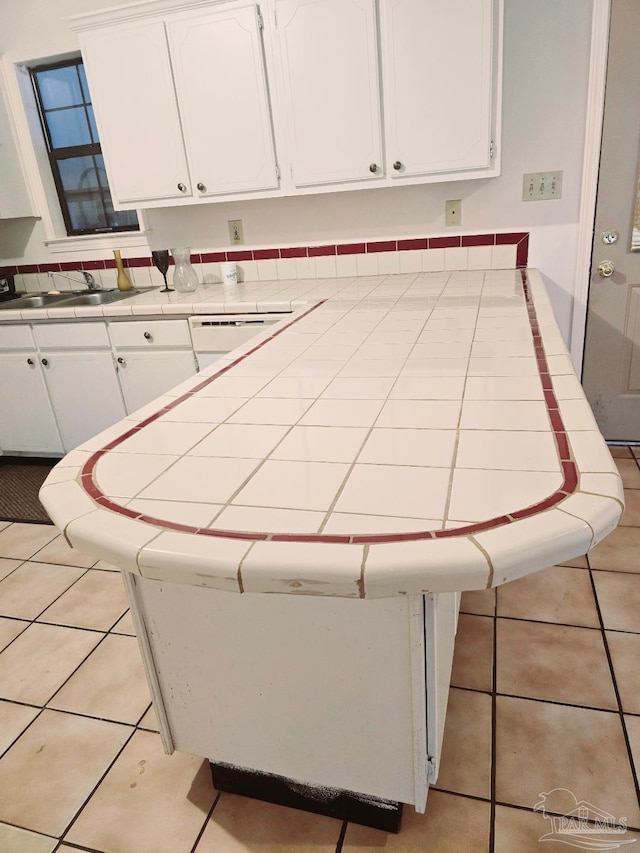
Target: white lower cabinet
{"points": [[27, 420], [84, 391], [147, 375]]}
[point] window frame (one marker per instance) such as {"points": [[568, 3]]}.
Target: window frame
{"points": [[55, 155]]}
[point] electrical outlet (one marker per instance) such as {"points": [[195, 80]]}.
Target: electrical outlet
{"points": [[541, 186], [236, 232], [453, 212]]}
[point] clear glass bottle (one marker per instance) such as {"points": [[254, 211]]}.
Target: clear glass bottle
{"points": [[185, 278]]}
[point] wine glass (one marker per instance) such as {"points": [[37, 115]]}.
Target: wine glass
{"points": [[161, 261]]}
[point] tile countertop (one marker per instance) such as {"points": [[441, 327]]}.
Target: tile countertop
{"points": [[417, 433]]}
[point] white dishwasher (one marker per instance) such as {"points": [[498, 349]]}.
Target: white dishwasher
{"points": [[214, 335]]}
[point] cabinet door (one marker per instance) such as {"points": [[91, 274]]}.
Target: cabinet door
{"points": [[218, 65], [329, 57], [147, 375], [85, 393], [27, 422], [14, 197], [437, 72], [129, 76]]}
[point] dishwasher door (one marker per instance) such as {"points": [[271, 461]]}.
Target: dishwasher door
{"points": [[214, 335]]}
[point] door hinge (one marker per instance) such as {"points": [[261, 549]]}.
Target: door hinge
{"points": [[492, 150], [431, 769], [260, 19], [277, 172], [195, 358], [275, 19]]}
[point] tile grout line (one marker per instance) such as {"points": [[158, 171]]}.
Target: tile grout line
{"points": [[494, 725]]}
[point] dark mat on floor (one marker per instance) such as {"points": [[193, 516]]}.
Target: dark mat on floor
{"points": [[20, 481]]}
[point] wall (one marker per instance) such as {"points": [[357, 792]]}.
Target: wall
{"points": [[546, 64]]}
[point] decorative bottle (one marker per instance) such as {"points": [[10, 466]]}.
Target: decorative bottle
{"points": [[185, 278], [123, 281]]}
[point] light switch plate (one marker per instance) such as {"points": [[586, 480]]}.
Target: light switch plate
{"points": [[236, 232], [453, 212], [541, 186]]}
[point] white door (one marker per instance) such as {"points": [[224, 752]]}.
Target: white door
{"points": [[329, 56], [611, 371], [84, 390], [27, 422], [437, 72], [219, 71], [129, 76], [147, 375]]}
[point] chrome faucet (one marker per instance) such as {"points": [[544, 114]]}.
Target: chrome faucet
{"points": [[89, 280]]}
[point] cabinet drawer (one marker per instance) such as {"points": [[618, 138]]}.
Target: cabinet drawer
{"points": [[16, 337], [151, 333], [71, 335]]}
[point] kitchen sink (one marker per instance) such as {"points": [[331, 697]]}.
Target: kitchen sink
{"points": [[69, 299], [98, 297], [34, 300]]}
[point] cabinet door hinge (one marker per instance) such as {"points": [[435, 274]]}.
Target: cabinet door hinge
{"points": [[275, 20], [277, 172], [431, 769], [260, 19], [492, 150], [195, 358]]}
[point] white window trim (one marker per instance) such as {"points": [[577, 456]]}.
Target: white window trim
{"points": [[17, 85]]}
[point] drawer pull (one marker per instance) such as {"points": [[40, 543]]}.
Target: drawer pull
{"points": [[148, 336]]}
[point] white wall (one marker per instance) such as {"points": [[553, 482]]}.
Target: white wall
{"points": [[546, 64]]}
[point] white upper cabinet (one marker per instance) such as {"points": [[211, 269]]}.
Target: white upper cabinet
{"points": [[181, 104], [437, 65], [14, 196], [329, 58], [130, 79], [222, 90]]}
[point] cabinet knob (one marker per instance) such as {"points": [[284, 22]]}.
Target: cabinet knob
{"points": [[202, 187], [182, 188], [373, 167], [397, 165], [30, 361], [121, 361], [45, 361], [148, 336]]}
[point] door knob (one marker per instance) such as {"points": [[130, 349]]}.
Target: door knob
{"points": [[606, 269]]}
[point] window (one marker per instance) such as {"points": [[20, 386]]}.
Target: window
{"points": [[76, 160]]}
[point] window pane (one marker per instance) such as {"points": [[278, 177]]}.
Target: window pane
{"points": [[119, 218], [83, 81], [85, 211], [68, 127], [59, 87], [78, 173]]}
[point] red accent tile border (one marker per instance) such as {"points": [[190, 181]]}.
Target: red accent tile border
{"points": [[568, 487], [520, 239]]}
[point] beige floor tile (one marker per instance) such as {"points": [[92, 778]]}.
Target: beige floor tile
{"points": [[451, 824], [473, 654], [149, 802], [15, 840], [559, 594], [125, 626], [96, 601], [619, 599], [636, 452], [631, 514], [40, 660], [618, 552], [13, 721], [58, 761], [630, 473], [480, 602], [241, 825], [110, 684], [8, 566], [633, 730], [553, 662], [107, 567], [33, 587], [625, 656], [10, 629], [619, 452], [22, 541], [4, 524], [520, 831], [149, 721], [578, 562], [465, 765], [58, 551], [541, 746]]}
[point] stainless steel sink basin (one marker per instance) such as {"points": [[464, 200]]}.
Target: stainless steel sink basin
{"points": [[98, 297], [34, 300]]}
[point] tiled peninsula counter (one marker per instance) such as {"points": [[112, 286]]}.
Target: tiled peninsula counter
{"points": [[296, 523]]}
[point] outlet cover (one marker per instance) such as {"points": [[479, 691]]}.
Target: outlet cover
{"points": [[236, 232], [453, 212], [541, 186]]}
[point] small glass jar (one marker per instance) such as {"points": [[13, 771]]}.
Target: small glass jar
{"points": [[185, 278]]}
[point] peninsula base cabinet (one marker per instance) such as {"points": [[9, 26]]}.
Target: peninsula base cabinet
{"points": [[343, 693]]}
